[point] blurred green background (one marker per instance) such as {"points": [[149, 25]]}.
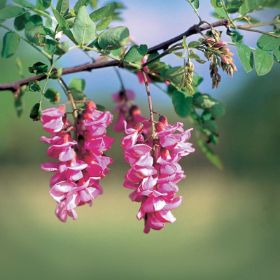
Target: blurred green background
{"points": [[228, 226]]}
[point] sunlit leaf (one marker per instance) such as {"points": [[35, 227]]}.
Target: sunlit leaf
{"points": [[113, 38], [84, 28]]}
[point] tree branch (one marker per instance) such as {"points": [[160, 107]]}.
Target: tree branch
{"points": [[70, 70], [195, 29]]}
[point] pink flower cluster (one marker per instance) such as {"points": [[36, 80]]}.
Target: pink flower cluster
{"points": [[127, 110], [80, 164], [154, 170]]}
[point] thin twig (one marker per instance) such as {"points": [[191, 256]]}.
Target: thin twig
{"points": [[164, 53], [150, 104], [120, 79], [257, 24], [69, 97], [258, 31]]}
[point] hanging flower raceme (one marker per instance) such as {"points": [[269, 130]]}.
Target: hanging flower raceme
{"points": [[80, 164], [218, 53], [154, 170], [127, 111]]}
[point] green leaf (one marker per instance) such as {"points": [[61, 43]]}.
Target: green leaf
{"points": [[217, 111], [253, 5], [105, 15], [38, 68], [232, 6], [84, 30], [36, 112], [62, 22], [62, 6], [174, 75], [157, 65], [103, 24], [210, 126], [78, 84], [24, 3], [263, 62], [182, 104], [197, 58], [194, 44], [245, 55], [10, 12], [21, 20], [219, 10], [43, 4], [10, 44], [35, 31], [195, 3], [276, 54], [111, 10], [113, 38], [203, 101], [79, 4], [197, 80], [268, 43], [117, 53], [77, 87], [135, 54], [236, 37], [57, 73], [34, 86], [52, 95], [209, 153]]}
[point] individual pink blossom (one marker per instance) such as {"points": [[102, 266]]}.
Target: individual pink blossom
{"points": [[80, 164], [154, 169]]}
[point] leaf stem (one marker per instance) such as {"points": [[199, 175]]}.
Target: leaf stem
{"points": [[195, 10], [227, 14]]}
